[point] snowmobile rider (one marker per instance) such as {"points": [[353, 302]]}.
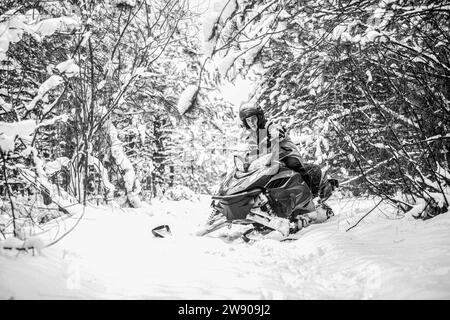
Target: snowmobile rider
{"points": [[266, 136]]}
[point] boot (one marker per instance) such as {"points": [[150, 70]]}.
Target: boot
{"points": [[326, 188], [300, 222], [322, 213]]}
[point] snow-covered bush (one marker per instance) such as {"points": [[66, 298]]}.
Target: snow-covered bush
{"points": [[68, 79], [180, 192]]}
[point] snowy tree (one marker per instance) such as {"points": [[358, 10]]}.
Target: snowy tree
{"points": [[82, 85]]}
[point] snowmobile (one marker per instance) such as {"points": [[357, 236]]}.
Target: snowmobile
{"points": [[272, 199]]}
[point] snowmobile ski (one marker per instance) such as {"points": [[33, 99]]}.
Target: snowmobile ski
{"points": [[162, 231], [270, 221], [256, 234], [213, 227]]}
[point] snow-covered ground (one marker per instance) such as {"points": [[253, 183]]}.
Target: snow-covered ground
{"points": [[112, 254]]}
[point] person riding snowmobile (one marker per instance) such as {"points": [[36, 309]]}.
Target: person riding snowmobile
{"points": [[265, 136]]}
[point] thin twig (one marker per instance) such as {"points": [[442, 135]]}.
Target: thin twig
{"points": [[70, 230], [365, 215], [8, 191]]}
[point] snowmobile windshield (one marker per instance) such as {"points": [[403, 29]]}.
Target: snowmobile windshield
{"points": [[259, 165], [260, 162]]}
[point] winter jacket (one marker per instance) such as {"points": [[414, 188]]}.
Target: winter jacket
{"points": [[261, 142]]}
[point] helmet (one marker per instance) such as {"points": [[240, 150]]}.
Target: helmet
{"points": [[246, 111]]}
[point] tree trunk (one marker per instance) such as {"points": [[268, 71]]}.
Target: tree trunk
{"points": [[132, 185]]}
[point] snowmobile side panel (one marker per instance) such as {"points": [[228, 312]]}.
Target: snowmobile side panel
{"points": [[288, 193], [236, 206]]}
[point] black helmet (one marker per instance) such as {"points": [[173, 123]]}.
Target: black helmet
{"points": [[246, 111]]}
